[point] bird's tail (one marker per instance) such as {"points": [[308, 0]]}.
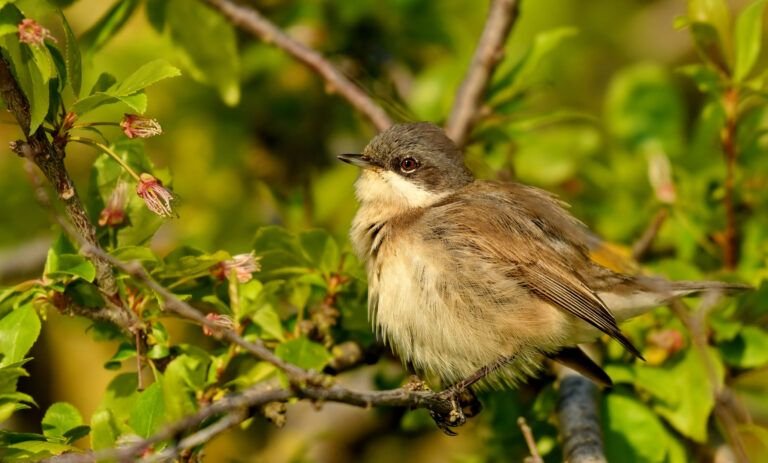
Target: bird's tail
{"points": [[690, 288]]}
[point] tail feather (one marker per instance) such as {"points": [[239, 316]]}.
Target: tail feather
{"points": [[688, 288]]}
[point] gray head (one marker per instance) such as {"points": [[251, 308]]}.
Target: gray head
{"points": [[419, 153]]}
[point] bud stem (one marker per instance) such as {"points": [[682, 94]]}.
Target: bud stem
{"points": [[112, 154]]}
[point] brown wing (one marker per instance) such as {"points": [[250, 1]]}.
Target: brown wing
{"points": [[540, 245]]}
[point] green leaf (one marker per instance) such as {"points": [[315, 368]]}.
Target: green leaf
{"points": [[135, 253], [149, 413], [710, 45], [104, 82], [19, 330], [524, 72], [633, 433], [749, 31], [184, 376], [266, 318], [109, 25], [104, 431], [72, 57], [686, 405], [146, 75], [156, 13], [10, 17], [747, 350], [30, 79], [60, 418], [124, 351], [304, 353], [321, 249], [208, 45], [120, 399], [713, 12]]}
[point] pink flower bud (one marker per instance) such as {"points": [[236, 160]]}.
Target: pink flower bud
{"points": [[32, 33], [244, 266], [135, 126], [157, 198], [113, 214], [221, 321]]}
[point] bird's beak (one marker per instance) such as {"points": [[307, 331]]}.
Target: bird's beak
{"points": [[358, 160]]}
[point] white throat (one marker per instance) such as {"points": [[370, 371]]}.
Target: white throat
{"points": [[388, 190]]}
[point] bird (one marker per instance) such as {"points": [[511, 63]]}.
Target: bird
{"points": [[472, 280]]}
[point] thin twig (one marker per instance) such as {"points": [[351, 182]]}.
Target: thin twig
{"points": [[643, 244], [579, 419], [253, 22], [727, 411], [489, 52], [728, 138], [529, 441], [49, 158]]}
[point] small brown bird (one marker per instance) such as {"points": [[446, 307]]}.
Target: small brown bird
{"points": [[468, 276]]}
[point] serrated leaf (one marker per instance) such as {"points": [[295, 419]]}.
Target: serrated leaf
{"points": [[108, 25], [149, 413], [72, 57], [120, 398], [19, 330], [304, 353], [749, 31], [208, 44], [60, 418], [104, 82]]}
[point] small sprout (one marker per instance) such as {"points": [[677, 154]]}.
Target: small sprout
{"points": [[113, 214], [244, 266], [221, 321], [660, 177], [157, 198], [32, 33], [135, 126]]}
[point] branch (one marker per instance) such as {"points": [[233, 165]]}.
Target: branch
{"points": [[251, 21], [489, 52], [577, 413], [49, 158], [644, 243]]}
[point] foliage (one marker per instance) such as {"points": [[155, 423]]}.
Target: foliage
{"points": [[653, 147]]}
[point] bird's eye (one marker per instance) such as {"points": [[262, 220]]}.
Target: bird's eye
{"points": [[408, 165]]}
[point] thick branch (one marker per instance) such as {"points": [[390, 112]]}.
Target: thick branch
{"points": [[254, 23], [489, 52], [50, 160], [577, 412]]}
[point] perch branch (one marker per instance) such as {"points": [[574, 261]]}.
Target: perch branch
{"points": [[579, 419], [253, 22], [489, 52], [730, 241], [49, 158]]}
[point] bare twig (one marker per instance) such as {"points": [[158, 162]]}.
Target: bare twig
{"points": [[579, 419], [727, 410], [50, 159], [489, 52], [643, 244], [255, 23], [529, 441]]}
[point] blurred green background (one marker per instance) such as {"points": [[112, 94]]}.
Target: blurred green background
{"points": [[607, 122]]}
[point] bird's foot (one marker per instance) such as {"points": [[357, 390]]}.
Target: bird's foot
{"points": [[464, 404]]}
